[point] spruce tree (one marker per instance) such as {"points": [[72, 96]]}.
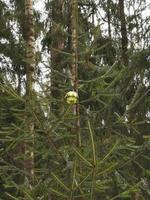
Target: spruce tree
{"points": [[90, 47]]}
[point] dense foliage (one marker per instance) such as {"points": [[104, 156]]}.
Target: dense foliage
{"points": [[98, 148]]}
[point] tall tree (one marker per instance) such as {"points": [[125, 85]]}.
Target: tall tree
{"points": [[29, 36], [113, 160]]}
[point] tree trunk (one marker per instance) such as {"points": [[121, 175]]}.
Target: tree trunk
{"points": [[109, 18], [136, 196], [57, 46], [75, 65], [124, 38], [29, 37]]}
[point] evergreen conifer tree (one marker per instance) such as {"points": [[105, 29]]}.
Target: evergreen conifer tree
{"points": [[91, 47]]}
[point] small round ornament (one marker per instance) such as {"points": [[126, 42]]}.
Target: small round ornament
{"points": [[71, 97]]}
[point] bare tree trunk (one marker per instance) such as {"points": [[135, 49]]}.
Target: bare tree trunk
{"points": [[30, 70], [109, 18], [136, 196], [123, 33], [57, 46], [75, 64]]}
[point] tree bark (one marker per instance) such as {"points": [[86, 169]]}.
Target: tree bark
{"points": [[57, 46], [136, 196], [75, 65], [29, 37], [109, 18], [124, 38]]}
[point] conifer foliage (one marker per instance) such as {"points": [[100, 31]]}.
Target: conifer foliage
{"points": [[97, 54]]}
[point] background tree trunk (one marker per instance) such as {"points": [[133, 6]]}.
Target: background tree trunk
{"points": [[57, 46], [124, 39], [30, 70], [75, 64], [109, 18]]}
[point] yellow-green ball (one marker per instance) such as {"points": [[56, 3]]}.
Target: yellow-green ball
{"points": [[71, 97]]}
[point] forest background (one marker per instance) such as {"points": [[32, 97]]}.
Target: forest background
{"points": [[98, 148]]}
